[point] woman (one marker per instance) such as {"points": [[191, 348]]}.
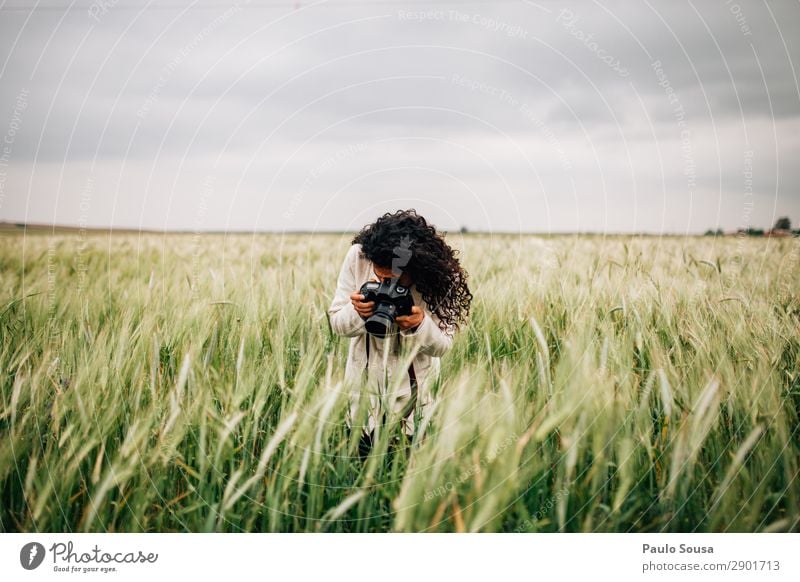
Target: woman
{"points": [[405, 247]]}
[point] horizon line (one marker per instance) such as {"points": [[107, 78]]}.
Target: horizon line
{"points": [[5, 225]]}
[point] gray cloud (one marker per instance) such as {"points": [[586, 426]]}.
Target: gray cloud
{"points": [[497, 116]]}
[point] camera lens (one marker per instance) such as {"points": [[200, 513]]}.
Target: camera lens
{"points": [[379, 324]]}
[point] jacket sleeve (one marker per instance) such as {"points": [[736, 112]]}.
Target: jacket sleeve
{"points": [[430, 337], [344, 319]]}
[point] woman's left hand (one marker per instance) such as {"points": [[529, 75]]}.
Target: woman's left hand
{"points": [[408, 322]]}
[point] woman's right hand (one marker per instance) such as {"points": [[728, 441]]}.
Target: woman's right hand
{"points": [[364, 309]]}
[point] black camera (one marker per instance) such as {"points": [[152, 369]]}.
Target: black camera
{"points": [[391, 299]]}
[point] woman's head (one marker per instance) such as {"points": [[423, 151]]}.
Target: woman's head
{"points": [[405, 244]]}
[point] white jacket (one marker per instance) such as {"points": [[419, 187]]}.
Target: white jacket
{"points": [[429, 338]]}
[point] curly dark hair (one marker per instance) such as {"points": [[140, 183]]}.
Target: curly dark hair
{"points": [[405, 242]]}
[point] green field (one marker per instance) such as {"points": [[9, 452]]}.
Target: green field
{"points": [[191, 383]]}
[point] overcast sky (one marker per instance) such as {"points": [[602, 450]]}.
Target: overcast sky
{"points": [[645, 116]]}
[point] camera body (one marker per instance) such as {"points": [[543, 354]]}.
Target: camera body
{"points": [[391, 299]]}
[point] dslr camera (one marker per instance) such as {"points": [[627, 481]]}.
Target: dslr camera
{"points": [[391, 299]]}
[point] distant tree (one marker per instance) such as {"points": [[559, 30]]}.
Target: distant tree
{"points": [[464, 230], [712, 232], [755, 231], [783, 223]]}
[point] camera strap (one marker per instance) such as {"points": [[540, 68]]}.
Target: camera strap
{"points": [[412, 380]]}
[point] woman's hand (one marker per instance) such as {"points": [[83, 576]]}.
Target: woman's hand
{"points": [[409, 322], [364, 309]]}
